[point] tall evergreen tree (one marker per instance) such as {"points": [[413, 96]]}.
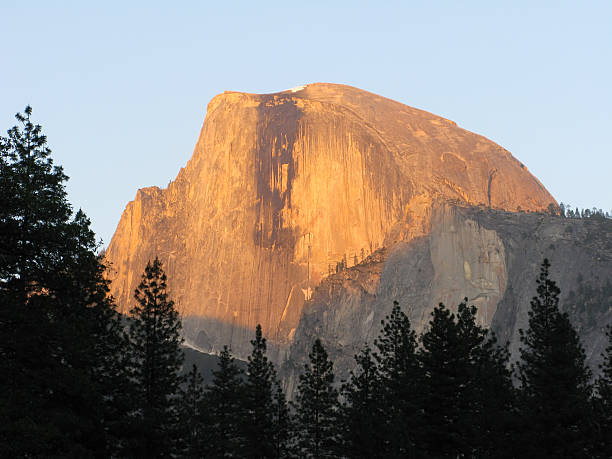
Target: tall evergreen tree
{"points": [[317, 407], [59, 333], [363, 427], [554, 378], [486, 395], [191, 415], [446, 364], [258, 428], [155, 361], [467, 387], [283, 424], [603, 402], [400, 378], [493, 411], [224, 401]]}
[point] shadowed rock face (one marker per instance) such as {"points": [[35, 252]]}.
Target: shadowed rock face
{"points": [[491, 257], [282, 187]]}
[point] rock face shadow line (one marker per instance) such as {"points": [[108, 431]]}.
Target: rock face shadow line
{"points": [[275, 169]]}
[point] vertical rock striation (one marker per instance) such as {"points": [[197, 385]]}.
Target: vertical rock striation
{"points": [[284, 187]]}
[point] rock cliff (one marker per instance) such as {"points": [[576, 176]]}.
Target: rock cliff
{"points": [[491, 257], [283, 189]]}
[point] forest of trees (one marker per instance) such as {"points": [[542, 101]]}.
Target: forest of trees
{"points": [[565, 210], [79, 380]]}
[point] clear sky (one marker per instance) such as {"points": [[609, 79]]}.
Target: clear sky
{"points": [[121, 88]]}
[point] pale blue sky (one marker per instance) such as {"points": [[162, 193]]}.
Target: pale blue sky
{"points": [[121, 88]]}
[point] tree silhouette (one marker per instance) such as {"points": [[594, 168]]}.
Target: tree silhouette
{"points": [[362, 414], [467, 386], [446, 361], [554, 379], [224, 402], [155, 361], [59, 332], [191, 415], [400, 379], [283, 425], [316, 407], [258, 427]]}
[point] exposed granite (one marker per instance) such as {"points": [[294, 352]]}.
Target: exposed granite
{"points": [[282, 187], [491, 257]]}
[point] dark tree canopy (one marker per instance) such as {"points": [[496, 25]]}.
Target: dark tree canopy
{"points": [[446, 359], [400, 379], [464, 372], [191, 412], [36, 224], [317, 407], [155, 361], [59, 332], [363, 419], [259, 401], [284, 445], [224, 405], [266, 420], [603, 401], [555, 381]]}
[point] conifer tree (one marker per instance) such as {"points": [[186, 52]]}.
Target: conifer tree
{"points": [[191, 415], [258, 428], [224, 402], [493, 409], [467, 386], [59, 333], [447, 382], [317, 407], [485, 397], [265, 420], [555, 386], [603, 401], [363, 417], [400, 379], [283, 425], [155, 361]]}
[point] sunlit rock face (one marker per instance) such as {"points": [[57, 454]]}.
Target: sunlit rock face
{"points": [[281, 188]]}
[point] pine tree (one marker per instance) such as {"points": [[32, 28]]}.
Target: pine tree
{"points": [[400, 379], [155, 361], [283, 425], [555, 387], [59, 333], [603, 401], [317, 407], [224, 402], [191, 415], [362, 414], [35, 212], [266, 419], [447, 382], [111, 374], [467, 387], [258, 428], [493, 409]]}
